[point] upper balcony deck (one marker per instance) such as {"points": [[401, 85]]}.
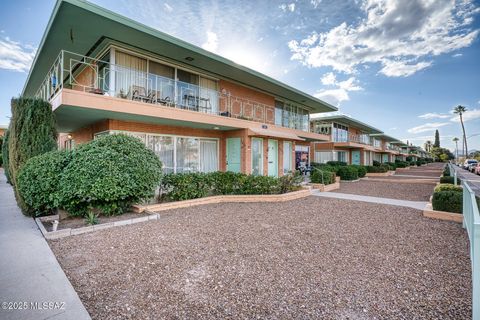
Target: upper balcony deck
{"points": [[104, 79]]}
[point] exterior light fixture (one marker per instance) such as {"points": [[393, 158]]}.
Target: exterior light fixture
{"points": [[189, 59], [69, 137], [216, 128]]}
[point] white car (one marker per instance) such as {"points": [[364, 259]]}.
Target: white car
{"points": [[468, 163]]}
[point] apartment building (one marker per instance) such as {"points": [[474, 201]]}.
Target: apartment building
{"points": [[349, 140], [104, 74]]}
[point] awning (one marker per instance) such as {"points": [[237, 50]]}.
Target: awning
{"points": [[273, 133]]}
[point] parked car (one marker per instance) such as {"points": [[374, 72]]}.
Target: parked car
{"points": [[471, 167], [468, 162], [476, 169]]}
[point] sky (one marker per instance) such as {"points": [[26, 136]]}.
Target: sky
{"points": [[400, 66]]}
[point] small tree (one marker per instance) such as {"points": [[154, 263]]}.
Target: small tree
{"points": [[32, 132], [436, 144]]}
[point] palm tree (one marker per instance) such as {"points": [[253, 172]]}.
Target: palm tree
{"points": [[428, 146], [456, 147], [460, 110]]}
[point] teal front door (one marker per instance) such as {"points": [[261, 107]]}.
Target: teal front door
{"points": [[356, 157], [233, 154], [273, 158], [384, 157]]}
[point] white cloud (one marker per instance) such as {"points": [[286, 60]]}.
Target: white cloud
{"points": [[467, 116], [457, 55], [433, 115], [340, 92], [212, 42], [402, 36], [427, 127], [315, 3], [167, 7], [287, 7], [15, 56]]}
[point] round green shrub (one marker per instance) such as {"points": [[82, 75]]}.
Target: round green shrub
{"points": [[362, 170], [450, 201], [376, 169], [322, 176], [337, 163], [449, 179], [348, 173], [448, 187], [109, 173], [38, 181]]}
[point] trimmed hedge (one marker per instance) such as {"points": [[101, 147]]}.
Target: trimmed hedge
{"points": [[109, 173], [448, 187], [362, 170], [5, 155], [376, 163], [322, 176], [337, 163], [185, 186], [450, 201], [376, 169], [449, 179], [446, 171], [401, 164], [38, 182], [348, 173]]}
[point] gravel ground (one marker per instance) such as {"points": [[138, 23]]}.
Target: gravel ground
{"points": [[403, 191], [309, 258]]}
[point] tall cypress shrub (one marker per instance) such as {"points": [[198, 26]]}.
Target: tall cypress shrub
{"points": [[5, 155], [32, 132]]}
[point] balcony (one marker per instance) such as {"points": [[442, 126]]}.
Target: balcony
{"points": [[97, 77]]}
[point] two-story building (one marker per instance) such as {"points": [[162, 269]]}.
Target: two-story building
{"points": [[104, 74]]}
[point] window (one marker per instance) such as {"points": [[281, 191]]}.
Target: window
{"points": [[208, 156], [208, 96], [287, 157], [340, 133], [161, 82], [164, 149], [257, 156], [187, 155], [323, 156], [291, 116], [342, 156], [130, 75]]}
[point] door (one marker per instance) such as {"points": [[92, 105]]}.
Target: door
{"points": [[356, 157], [233, 154], [257, 156], [385, 158], [273, 158]]}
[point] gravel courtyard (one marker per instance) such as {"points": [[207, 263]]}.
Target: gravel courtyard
{"points": [[309, 258], [403, 191]]}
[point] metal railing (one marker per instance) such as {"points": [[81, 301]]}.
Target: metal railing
{"points": [[471, 222], [350, 137], [78, 72]]}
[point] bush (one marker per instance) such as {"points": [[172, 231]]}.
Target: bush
{"points": [[450, 180], [348, 173], [448, 187], [38, 182], [290, 182], [376, 169], [5, 155], [450, 201], [412, 163], [184, 186], [362, 170], [31, 133], [323, 176], [391, 166], [376, 163], [401, 164], [446, 171], [109, 173], [337, 163]]}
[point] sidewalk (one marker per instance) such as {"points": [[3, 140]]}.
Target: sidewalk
{"points": [[420, 205], [29, 272]]}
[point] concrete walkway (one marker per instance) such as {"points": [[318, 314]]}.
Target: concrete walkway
{"points": [[29, 272], [420, 205]]}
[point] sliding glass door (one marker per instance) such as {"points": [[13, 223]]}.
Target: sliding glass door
{"points": [[257, 156]]}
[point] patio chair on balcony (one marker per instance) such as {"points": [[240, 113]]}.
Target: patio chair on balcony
{"points": [[139, 93], [156, 97]]}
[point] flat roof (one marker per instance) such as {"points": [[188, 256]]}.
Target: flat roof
{"points": [[78, 26], [349, 121]]}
